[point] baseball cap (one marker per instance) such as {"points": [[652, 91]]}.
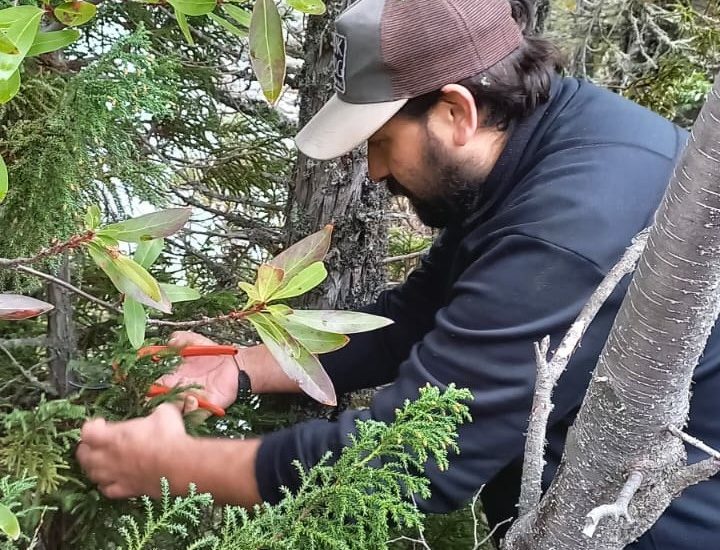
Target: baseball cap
{"points": [[388, 51]]}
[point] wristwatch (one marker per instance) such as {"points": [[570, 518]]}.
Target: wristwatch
{"points": [[244, 388]]}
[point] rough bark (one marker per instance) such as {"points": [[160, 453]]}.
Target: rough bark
{"points": [[641, 385], [336, 192], [61, 331]]}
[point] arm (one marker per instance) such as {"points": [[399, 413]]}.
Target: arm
{"points": [[370, 359], [516, 292]]}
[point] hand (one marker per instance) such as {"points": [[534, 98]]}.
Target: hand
{"points": [[218, 375], [127, 459]]}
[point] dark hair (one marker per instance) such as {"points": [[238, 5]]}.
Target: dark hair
{"points": [[512, 88]]}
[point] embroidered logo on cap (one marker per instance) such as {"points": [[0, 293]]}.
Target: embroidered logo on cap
{"points": [[340, 52]]}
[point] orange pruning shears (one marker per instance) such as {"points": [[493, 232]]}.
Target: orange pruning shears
{"points": [[189, 351]]}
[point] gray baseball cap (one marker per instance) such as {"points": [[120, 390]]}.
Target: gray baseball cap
{"points": [[388, 51]]}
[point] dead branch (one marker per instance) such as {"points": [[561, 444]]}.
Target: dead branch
{"points": [[617, 509], [549, 373]]}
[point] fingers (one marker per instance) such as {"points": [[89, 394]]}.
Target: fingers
{"points": [[94, 432], [184, 338]]}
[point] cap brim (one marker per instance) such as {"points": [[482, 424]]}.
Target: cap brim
{"points": [[339, 126]]}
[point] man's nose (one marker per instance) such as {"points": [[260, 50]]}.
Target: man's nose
{"points": [[377, 167]]}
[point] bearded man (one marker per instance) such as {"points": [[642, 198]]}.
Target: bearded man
{"points": [[538, 182]]}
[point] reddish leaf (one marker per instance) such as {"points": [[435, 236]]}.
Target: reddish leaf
{"points": [[295, 360], [14, 307], [309, 250]]}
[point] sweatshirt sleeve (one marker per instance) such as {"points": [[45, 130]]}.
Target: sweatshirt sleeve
{"points": [[516, 292], [372, 358]]}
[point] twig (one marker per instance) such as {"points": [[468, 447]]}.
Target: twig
{"points": [[617, 509], [549, 373], [47, 388], [414, 541], [694, 441], [695, 473], [232, 316], [531, 486], [484, 541], [68, 286], [32, 342], [54, 250], [409, 256]]}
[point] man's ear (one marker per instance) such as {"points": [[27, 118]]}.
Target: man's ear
{"points": [[461, 112]]}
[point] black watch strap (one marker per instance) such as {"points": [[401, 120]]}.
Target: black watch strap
{"points": [[244, 388]]}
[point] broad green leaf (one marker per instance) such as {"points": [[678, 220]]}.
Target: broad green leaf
{"points": [[46, 42], [128, 277], [107, 242], [279, 310], [75, 13], [311, 7], [135, 321], [295, 360], [224, 23], [316, 341], [343, 322], [9, 523], [309, 250], [3, 180], [177, 293], [250, 290], [148, 251], [138, 275], [10, 87], [240, 15], [17, 36], [269, 279], [14, 307], [306, 280], [184, 27], [193, 7], [149, 226], [92, 217], [267, 48]]}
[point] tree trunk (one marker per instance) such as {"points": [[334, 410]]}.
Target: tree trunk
{"points": [[641, 385], [337, 192], [61, 331]]}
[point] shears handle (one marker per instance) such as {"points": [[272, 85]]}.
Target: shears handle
{"points": [[188, 351], [159, 389]]}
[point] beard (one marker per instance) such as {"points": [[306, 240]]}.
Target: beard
{"points": [[450, 195]]}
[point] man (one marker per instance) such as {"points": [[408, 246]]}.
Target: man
{"points": [[539, 183]]}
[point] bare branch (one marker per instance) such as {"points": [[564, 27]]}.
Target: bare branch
{"points": [[531, 487], [55, 250], [33, 342], [487, 538], [409, 256], [569, 343], [44, 387], [617, 509], [549, 373], [694, 441], [68, 286], [695, 473]]}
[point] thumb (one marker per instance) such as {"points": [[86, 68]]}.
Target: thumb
{"points": [[190, 405]]}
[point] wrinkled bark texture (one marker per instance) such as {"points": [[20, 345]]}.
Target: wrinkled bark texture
{"points": [[61, 339], [336, 192], [642, 381]]}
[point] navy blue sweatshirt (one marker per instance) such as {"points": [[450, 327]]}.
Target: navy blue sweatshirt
{"points": [[576, 181]]}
